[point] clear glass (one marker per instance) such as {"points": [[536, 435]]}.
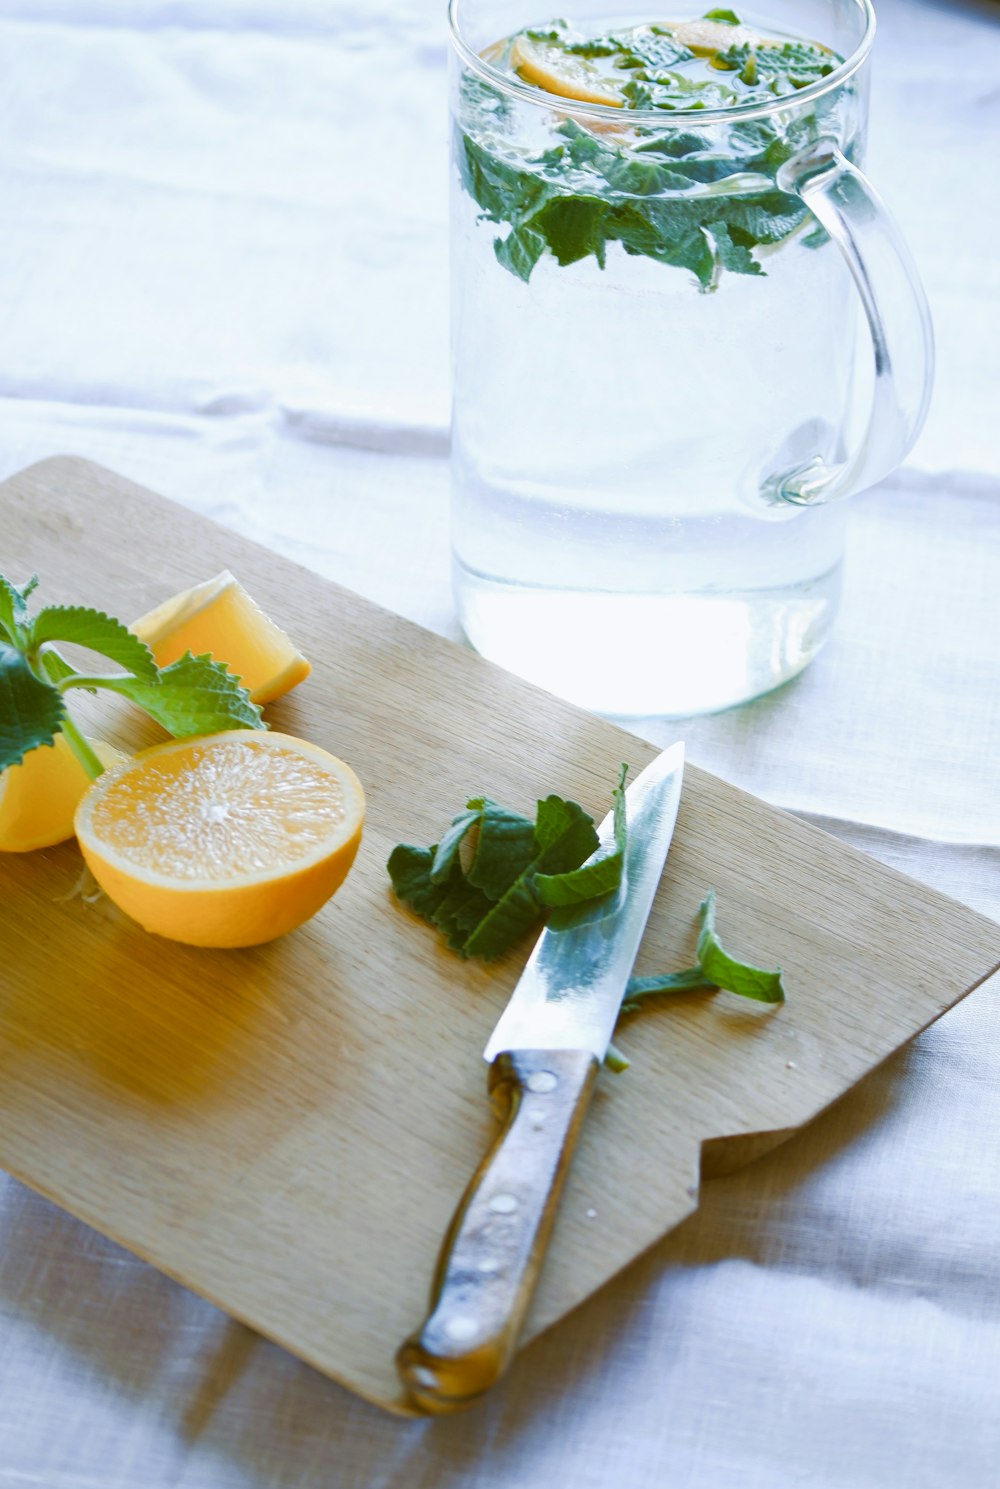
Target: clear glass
{"points": [[642, 450]]}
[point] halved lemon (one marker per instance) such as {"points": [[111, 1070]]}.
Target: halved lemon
{"points": [[706, 37], [548, 65], [227, 840], [220, 617], [39, 796]]}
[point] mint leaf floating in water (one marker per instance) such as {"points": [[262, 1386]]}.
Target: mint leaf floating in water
{"points": [[578, 191], [785, 68], [519, 871]]}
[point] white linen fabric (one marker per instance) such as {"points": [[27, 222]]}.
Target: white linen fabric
{"points": [[223, 273]]}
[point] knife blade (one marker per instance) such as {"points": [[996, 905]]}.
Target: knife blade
{"points": [[544, 1055]]}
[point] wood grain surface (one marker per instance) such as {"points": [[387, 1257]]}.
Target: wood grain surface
{"points": [[287, 1129]]}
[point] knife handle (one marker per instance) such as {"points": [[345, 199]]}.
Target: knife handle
{"points": [[493, 1251]]}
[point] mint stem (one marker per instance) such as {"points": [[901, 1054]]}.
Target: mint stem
{"points": [[615, 1060], [81, 749], [76, 741], [80, 680]]}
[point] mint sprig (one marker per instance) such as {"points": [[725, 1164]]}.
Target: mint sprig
{"points": [[195, 695], [519, 871], [31, 712]]}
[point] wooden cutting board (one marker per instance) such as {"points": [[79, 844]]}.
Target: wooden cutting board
{"points": [[286, 1130]]}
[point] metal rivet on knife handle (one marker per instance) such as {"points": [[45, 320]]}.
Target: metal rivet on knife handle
{"points": [[493, 1251]]}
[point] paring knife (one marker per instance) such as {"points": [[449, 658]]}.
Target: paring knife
{"points": [[544, 1056]]}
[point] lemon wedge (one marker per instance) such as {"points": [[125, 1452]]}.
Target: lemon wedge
{"points": [[221, 618], [39, 796]]}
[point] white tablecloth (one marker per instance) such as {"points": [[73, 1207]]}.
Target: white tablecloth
{"points": [[223, 272]]}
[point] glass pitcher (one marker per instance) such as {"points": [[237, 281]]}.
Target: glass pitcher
{"points": [[657, 386]]}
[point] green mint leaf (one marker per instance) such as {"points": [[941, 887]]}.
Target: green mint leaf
{"points": [[452, 906], [735, 257], [565, 835], [504, 192], [791, 66], [14, 609], [573, 227], [727, 17], [446, 853], [596, 46], [520, 251], [583, 146], [692, 979], [550, 31], [31, 711], [642, 177], [410, 872], [504, 849], [637, 94], [725, 971], [655, 50], [508, 920], [581, 886], [591, 881], [56, 667], [460, 912], [95, 631], [195, 695]]}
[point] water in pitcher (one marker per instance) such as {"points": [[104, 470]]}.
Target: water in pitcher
{"points": [[642, 333]]}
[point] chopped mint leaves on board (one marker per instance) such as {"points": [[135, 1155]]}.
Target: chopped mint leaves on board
{"points": [[194, 695], [484, 910], [495, 874]]}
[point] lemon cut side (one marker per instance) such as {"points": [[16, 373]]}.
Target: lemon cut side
{"points": [[227, 840]]}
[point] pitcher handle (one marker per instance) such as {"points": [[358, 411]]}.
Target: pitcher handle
{"points": [[847, 205]]}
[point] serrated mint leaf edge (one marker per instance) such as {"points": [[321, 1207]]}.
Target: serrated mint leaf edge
{"points": [[182, 702], [31, 711], [95, 630]]}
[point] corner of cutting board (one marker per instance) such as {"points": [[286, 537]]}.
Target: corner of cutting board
{"points": [[63, 465]]}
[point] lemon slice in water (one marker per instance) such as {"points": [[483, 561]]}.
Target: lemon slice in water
{"points": [[548, 65], [706, 37]]}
